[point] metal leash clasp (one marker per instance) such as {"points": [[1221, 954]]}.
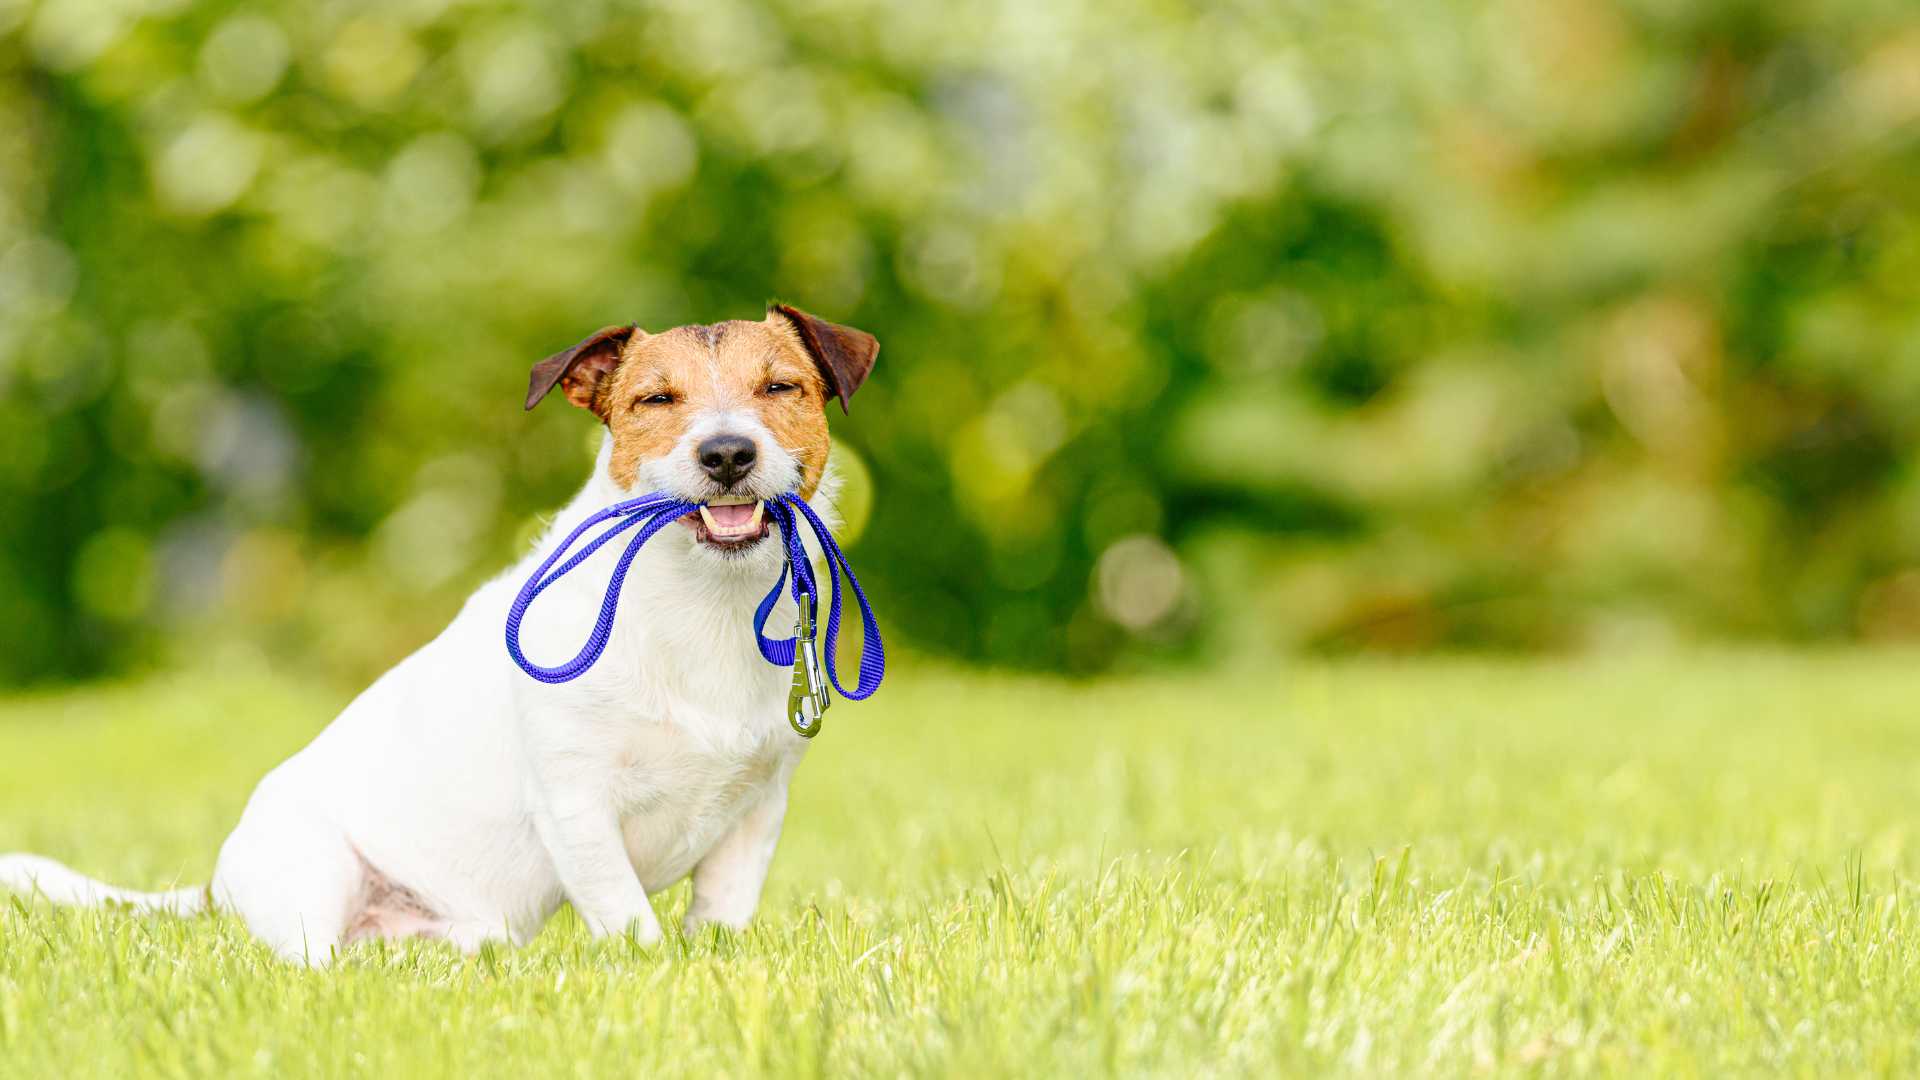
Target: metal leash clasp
{"points": [[809, 699]]}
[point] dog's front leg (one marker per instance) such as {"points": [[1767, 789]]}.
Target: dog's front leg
{"points": [[727, 883], [575, 817]]}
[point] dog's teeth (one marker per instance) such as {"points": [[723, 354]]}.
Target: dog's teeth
{"points": [[758, 510], [708, 519]]}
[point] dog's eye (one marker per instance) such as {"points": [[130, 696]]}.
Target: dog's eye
{"points": [[781, 387], [656, 399]]}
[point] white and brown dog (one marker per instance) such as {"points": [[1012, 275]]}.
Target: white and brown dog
{"points": [[458, 798]]}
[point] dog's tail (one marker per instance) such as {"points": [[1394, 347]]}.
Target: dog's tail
{"points": [[31, 874]]}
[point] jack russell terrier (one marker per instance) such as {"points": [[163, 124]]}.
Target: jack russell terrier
{"points": [[459, 799]]}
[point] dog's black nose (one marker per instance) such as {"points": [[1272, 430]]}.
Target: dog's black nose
{"points": [[727, 458]]}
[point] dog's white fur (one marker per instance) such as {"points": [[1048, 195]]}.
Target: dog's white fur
{"points": [[458, 798]]}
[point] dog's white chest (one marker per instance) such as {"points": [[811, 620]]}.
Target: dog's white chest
{"points": [[678, 792]]}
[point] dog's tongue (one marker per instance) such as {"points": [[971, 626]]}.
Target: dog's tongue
{"points": [[736, 516]]}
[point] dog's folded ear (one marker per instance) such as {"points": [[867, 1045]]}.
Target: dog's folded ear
{"points": [[843, 355], [581, 371]]}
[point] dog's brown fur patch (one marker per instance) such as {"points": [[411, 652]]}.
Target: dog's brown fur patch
{"points": [[728, 365], [647, 388]]}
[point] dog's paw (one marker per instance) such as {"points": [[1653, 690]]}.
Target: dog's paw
{"points": [[644, 932], [637, 923], [471, 937], [698, 925]]}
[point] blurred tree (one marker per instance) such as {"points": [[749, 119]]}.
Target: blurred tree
{"points": [[1254, 326]]}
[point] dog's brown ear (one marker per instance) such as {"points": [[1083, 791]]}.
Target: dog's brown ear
{"points": [[843, 354], [580, 371]]}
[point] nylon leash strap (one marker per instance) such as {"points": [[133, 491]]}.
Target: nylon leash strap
{"points": [[810, 696]]}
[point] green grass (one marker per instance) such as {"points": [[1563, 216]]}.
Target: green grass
{"points": [[1699, 865]]}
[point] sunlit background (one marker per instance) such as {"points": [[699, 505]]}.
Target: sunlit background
{"points": [[1219, 331]]}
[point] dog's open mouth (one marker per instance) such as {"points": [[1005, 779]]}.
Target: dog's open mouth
{"points": [[729, 522]]}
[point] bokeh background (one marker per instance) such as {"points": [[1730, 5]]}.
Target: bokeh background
{"points": [[1216, 330]]}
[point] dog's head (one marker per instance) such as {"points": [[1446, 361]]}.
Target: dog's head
{"points": [[727, 415]]}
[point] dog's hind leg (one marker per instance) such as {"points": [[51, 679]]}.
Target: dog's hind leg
{"points": [[293, 877]]}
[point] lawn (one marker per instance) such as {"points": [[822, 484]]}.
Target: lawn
{"points": [[1694, 865]]}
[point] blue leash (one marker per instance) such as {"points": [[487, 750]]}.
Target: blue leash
{"points": [[651, 513]]}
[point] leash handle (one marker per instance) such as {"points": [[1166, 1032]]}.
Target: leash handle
{"points": [[657, 511], [651, 513]]}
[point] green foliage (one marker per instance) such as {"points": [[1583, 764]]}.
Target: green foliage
{"points": [[1250, 327], [1698, 866]]}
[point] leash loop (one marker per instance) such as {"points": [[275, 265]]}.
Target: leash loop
{"points": [[656, 511], [649, 514]]}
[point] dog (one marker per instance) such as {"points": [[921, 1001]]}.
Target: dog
{"points": [[459, 799]]}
